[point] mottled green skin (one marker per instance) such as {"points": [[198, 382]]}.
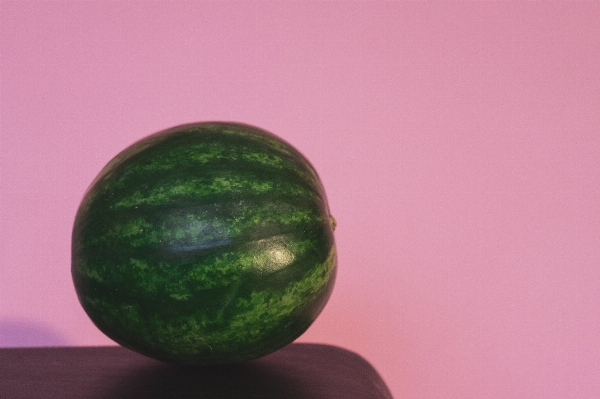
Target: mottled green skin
{"points": [[203, 244]]}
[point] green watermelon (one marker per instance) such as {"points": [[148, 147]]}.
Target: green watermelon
{"points": [[207, 243]]}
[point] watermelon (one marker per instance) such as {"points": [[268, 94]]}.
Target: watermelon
{"points": [[207, 243]]}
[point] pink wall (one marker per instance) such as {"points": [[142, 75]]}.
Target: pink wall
{"points": [[459, 145]]}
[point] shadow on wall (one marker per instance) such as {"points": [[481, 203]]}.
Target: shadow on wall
{"points": [[24, 333]]}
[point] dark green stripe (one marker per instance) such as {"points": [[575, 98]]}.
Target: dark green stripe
{"points": [[202, 188], [196, 224], [205, 153]]}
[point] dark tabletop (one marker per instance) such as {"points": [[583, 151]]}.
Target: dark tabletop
{"points": [[296, 371]]}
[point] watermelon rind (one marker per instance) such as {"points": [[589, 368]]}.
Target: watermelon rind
{"points": [[207, 243]]}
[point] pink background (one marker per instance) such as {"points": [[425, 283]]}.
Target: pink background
{"points": [[459, 145]]}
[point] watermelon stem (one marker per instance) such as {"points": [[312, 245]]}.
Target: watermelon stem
{"points": [[333, 222]]}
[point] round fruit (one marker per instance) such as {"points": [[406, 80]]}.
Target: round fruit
{"points": [[206, 243]]}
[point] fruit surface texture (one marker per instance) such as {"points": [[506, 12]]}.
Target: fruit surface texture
{"points": [[207, 243]]}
